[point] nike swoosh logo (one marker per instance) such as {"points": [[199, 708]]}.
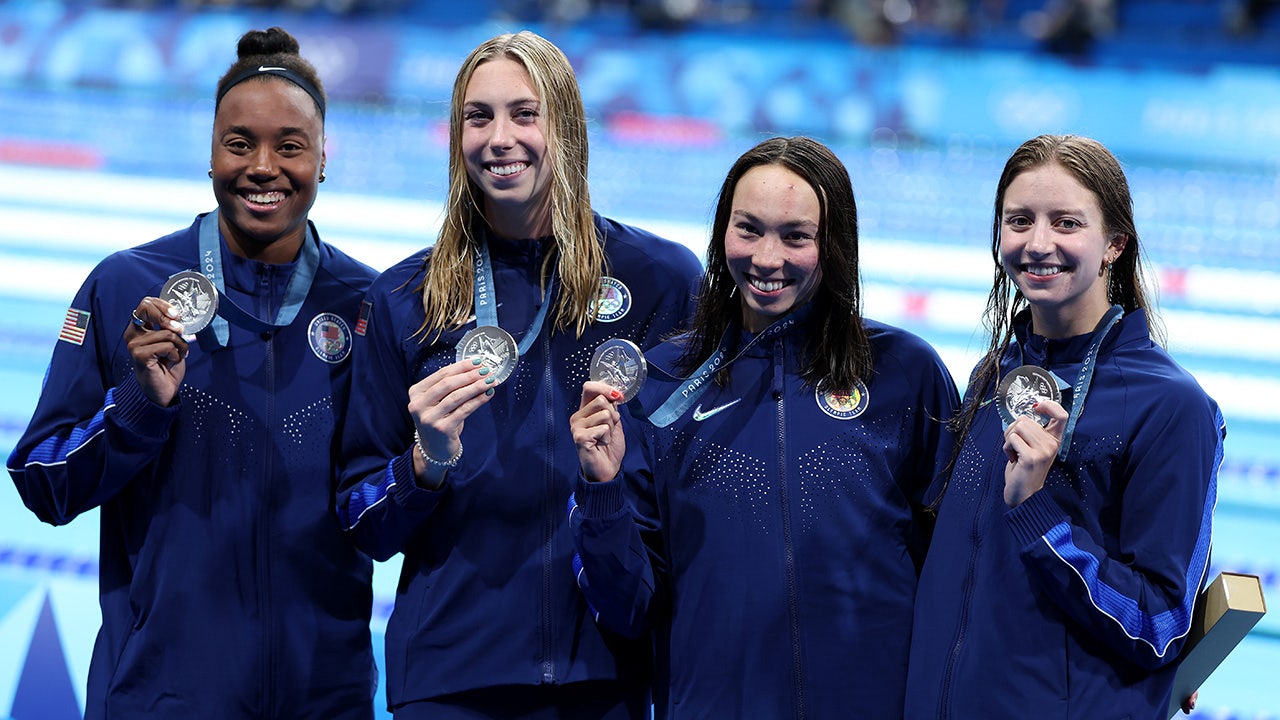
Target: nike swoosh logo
{"points": [[267, 68], [699, 416]]}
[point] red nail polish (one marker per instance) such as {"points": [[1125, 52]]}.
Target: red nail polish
{"points": [[615, 395]]}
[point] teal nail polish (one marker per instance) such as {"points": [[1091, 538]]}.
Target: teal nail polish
{"points": [[475, 361], [489, 392], [484, 371], [488, 381]]}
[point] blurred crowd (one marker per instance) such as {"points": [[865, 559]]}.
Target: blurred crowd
{"points": [[1244, 17], [1067, 27]]}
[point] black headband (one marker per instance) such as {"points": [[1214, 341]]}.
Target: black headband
{"points": [[283, 72]]}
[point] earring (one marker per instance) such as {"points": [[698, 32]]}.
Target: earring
{"points": [[321, 176], [211, 173]]}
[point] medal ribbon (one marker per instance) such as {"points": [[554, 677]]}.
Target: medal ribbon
{"points": [[218, 332], [1085, 377], [686, 395], [485, 293]]}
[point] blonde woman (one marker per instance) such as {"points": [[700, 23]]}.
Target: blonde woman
{"points": [[463, 466]]}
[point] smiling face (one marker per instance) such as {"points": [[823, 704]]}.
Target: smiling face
{"points": [[1054, 244], [771, 244], [268, 153], [504, 148]]}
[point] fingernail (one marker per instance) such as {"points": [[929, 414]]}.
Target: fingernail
{"points": [[489, 391], [1035, 405], [475, 361], [484, 371], [615, 395], [176, 327], [489, 381], [173, 312]]}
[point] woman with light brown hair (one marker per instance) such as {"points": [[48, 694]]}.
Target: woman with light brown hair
{"points": [[1074, 532]]}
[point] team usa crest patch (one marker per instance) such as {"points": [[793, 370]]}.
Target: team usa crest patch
{"points": [[843, 407], [330, 338], [74, 326], [614, 300]]}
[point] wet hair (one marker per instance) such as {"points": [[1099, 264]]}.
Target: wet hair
{"points": [[838, 352], [272, 53], [579, 259], [1098, 171]]}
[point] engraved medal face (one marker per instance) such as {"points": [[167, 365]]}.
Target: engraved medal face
{"points": [[620, 364], [194, 297], [1022, 388], [494, 346]]}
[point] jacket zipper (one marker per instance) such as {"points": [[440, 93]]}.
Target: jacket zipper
{"points": [[948, 671], [784, 501], [548, 517], [264, 513]]}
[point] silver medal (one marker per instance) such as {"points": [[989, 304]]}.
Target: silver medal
{"points": [[1021, 389], [619, 364], [494, 346], [194, 297]]}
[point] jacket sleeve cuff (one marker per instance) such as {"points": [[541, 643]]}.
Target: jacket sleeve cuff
{"points": [[406, 491], [1033, 518], [599, 499], [135, 411]]}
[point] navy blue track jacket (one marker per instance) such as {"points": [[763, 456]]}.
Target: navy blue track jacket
{"points": [[227, 588], [1075, 604], [771, 536], [486, 594]]}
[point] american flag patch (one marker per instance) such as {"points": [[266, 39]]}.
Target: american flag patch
{"points": [[74, 326], [362, 323]]}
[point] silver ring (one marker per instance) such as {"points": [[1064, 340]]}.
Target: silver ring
{"points": [[137, 321]]}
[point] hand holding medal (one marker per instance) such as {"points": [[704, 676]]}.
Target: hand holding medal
{"points": [[441, 402], [618, 370], [157, 349], [1031, 448]]}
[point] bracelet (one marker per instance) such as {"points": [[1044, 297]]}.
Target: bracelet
{"points": [[451, 462]]}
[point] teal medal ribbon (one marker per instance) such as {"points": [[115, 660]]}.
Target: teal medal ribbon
{"points": [[218, 332], [687, 394], [1085, 377], [486, 294]]}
